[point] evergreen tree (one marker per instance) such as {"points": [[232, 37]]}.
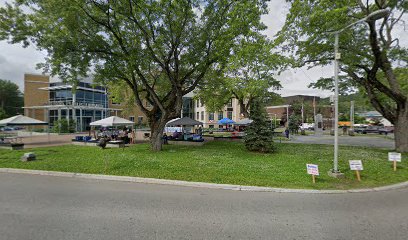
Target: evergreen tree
{"points": [[294, 122], [259, 133]]}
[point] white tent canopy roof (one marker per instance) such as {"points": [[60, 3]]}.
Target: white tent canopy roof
{"points": [[112, 121], [245, 121], [21, 120]]}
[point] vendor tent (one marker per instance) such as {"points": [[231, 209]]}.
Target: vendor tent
{"points": [[185, 121], [112, 121], [21, 120], [225, 121], [244, 122]]}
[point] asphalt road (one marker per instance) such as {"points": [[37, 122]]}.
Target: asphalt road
{"points": [[360, 140], [43, 207]]}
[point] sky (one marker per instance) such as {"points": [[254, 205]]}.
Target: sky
{"points": [[16, 60]]}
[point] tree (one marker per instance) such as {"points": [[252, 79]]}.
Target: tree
{"points": [[161, 49], [64, 126], [369, 61], [301, 108], [11, 99], [294, 123], [259, 134], [2, 113], [249, 73]]}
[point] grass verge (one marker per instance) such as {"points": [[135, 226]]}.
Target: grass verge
{"points": [[219, 162]]}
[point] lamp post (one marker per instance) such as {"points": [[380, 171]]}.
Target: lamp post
{"points": [[371, 17]]}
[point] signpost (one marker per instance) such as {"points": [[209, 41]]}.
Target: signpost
{"points": [[394, 157], [357, 166], [313, 170]]}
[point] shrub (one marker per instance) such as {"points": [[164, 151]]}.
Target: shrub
{"points": [[64, 126]]}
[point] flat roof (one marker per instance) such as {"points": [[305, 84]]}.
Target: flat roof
{"points": [[70, 87], [72, 107]]}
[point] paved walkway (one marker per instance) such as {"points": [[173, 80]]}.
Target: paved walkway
{"points": [[364, 141], [44, 207], [47, 141]]}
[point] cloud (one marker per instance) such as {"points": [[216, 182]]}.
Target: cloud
{"points": [[16, 60]]}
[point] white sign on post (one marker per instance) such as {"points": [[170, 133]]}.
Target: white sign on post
{"points": [[356, 165], [394, 156], [312, 169]]}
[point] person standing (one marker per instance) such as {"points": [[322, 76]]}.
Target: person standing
{"points": [[287, 133]]}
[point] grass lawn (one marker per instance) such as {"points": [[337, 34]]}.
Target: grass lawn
{"points": [[219, 162]]}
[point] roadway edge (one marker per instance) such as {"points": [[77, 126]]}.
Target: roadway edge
{"points": [[196, 184]]}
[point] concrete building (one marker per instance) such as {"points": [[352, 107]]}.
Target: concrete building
{"points": [[210, 119], [84, 103], [309, 104]]}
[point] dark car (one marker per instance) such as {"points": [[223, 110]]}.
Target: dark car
{"points": [[360, 129], [369, 129], [385, 131]]}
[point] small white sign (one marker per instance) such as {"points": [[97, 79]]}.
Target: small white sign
{"points": [[394, 156], [312, 169], [356, 165]]}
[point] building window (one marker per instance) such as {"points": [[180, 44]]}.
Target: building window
{"points": [[229, 114], [211, 116], [220, 115], [132, 118], [202, 115], [211, 126], [202, 104], [198, 116], [229, 104], [198, 102], [139, 120]]}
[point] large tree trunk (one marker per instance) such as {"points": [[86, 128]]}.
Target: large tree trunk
{"points": [[243, 108], [401, 129], [158, 120], [157, 128]]}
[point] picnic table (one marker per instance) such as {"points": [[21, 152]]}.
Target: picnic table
{"points": [[120, 143], [12, 140]]}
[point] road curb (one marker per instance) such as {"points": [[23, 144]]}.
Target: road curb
{"points": [[196, 184]]}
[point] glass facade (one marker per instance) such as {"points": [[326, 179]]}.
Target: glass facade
{"points": [[188, 107], [92, 97], [82, 95]]}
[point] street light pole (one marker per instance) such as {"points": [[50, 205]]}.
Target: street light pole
{"points": [[371, 17], [336, 103]]}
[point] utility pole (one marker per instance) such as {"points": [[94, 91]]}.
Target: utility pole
{"points": [[314, 107], [352, 115]]}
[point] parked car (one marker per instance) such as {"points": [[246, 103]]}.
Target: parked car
{"points": [[385, 131], [369, 129], [307, 126], [7, 129], [360, 129]]}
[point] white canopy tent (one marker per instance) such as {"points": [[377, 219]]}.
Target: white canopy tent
{"points": [[21, 120], [244, 122], [112, 121]]}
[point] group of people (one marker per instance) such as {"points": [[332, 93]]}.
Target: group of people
{"points": [[127, 135], [186, 134]]}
